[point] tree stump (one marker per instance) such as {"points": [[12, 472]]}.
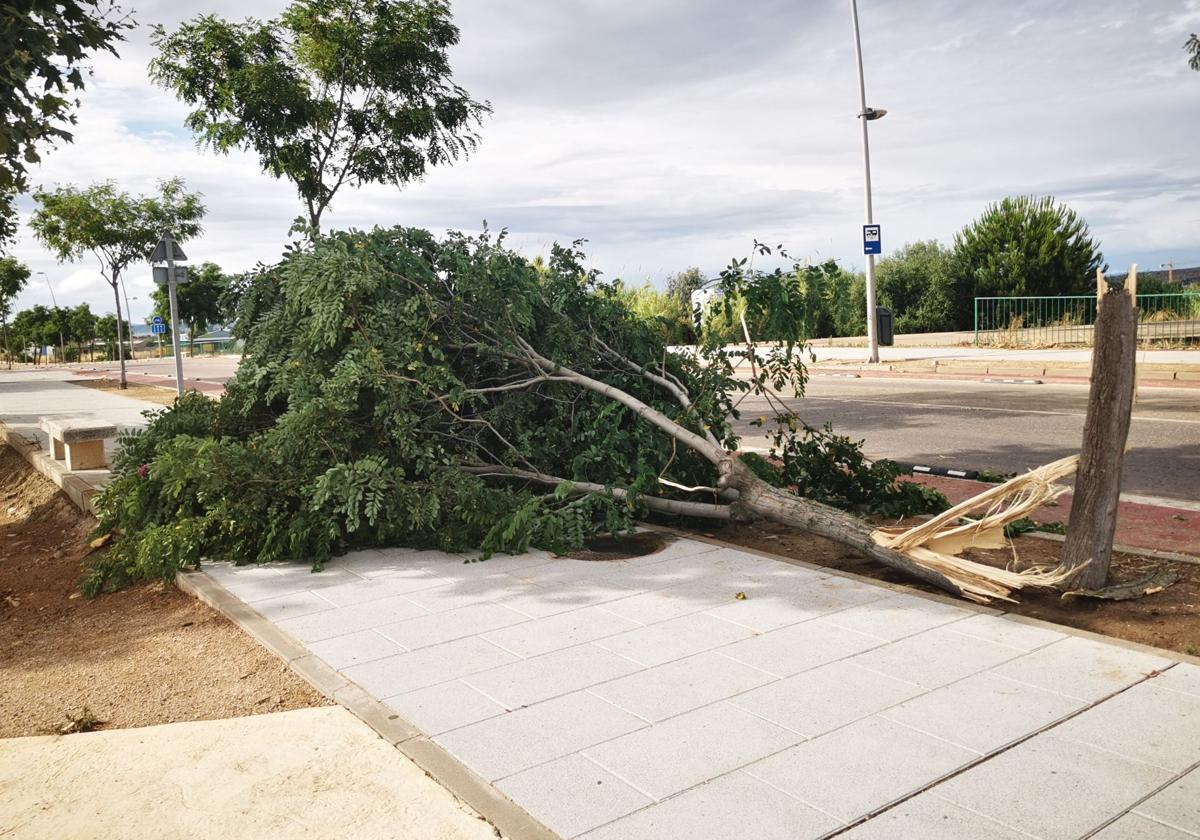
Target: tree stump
{"points": [[1098, 481]]}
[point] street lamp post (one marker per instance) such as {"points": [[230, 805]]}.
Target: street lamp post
{"points": [[867, 115], [54, 301]]}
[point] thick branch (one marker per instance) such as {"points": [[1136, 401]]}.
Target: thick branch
{"points": [[675, 507]]}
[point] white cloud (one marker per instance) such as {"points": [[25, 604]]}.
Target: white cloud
{"points": [[674, 132]]}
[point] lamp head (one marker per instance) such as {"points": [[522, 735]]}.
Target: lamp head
{"points": [[873, 113]]}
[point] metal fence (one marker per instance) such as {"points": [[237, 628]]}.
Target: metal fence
{"points": [[1068, 319]]}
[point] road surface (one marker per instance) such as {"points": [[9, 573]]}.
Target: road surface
{"points": [[1007, 428]]}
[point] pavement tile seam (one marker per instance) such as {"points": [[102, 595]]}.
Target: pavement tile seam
{"points": [[1133, 809], [933, 792], [841, 823], [1160, 820]]}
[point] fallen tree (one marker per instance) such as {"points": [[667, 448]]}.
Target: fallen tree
{"points": [[398, 389]]}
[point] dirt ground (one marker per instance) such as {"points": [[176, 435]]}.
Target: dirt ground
{"points": [[149, 393], [146, 655], [1168, 619]]}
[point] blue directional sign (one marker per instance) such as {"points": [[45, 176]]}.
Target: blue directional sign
{"points": [[158, 326], [872, 241]]}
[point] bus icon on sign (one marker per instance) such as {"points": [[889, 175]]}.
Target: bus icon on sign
{"points": [[872, 243]]}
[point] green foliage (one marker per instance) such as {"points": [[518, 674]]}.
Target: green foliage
{"points": [[831, 468], [43, 49], [201, 301], [1193, 47], [332, 92], [13, 277], [398, 389], [1024, 246], [918, 284]]}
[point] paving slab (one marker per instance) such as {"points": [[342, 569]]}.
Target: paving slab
{"points": [[984, 712], [643, 698], [936, 657], [1149, 723], [1083, 668], [681, 686], [862, 767], [732, 807], [1135, 827], [1078, 788], [553, 790], [689, 749], [929, 817], [1177, 806], [825, 698], [507, 744], [657, 644]]}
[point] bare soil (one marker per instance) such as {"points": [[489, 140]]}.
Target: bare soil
{"points": [[149, 393], [147, 655], [1168, 619]]}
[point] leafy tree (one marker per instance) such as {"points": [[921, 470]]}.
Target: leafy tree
{"points": [[113, 226], [401, 389], [43, 47], [199, 301], [918, 283], [35, 327], [13, 277], [1193, 48], [82, 326], [1024, 246], [332, 92], [108, 331]]}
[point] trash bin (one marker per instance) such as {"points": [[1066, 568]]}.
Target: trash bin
{"points": [[883, 325]]}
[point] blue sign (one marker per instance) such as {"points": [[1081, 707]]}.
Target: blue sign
{"points": [[872, 242], [157, 325]]}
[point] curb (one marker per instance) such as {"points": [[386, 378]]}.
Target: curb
{"points": [[507, 817], [79, 491]]}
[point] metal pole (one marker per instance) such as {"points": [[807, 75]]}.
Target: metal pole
{"points": [[174, 313], [61, 353], [872, 327]]}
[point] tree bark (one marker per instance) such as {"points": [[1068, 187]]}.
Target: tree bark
{"points": [[120, 344], [1093, 520], [757, 499]]}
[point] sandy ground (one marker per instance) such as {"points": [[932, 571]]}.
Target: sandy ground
{"points": [[146, 655], [312, 773]]}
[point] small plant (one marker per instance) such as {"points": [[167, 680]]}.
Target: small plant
{"points": [[85, 721], [1025, 525], [832, 469]]}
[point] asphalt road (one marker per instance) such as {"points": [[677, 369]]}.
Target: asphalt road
{"points": [[1006, 428]]}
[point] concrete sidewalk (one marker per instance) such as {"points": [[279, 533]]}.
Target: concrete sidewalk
{"points": [[647, 699], [312, 773]]}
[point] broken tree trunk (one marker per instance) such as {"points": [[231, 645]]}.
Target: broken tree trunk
{"points": [[1093, 521]]}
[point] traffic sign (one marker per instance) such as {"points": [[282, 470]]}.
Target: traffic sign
{"points": [[158, 329], [872, 242], [161, 255]]}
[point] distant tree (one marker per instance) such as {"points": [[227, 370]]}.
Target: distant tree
{"points": [[113, 226], [43, 47], [1024, 246], [332, 92], [1193, 48], [199, 299], [918, 284], [108, 332], [13, 277], [35, 327], [82, 325]]}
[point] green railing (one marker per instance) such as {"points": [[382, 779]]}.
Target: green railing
{"points": [[1068, 319]]}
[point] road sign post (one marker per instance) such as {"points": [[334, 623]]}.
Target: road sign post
{"points": [[167, 251]]}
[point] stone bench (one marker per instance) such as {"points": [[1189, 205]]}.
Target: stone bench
{"points": [[78, 441]]}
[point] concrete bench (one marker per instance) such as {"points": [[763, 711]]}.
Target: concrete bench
{"points": [[78, 441]]}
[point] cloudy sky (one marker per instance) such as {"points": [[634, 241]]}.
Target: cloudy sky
{"points": [[672, 133]]}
